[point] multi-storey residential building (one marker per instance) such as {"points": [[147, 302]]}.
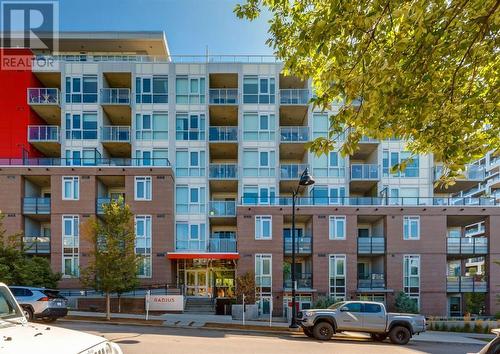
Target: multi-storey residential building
{"points": [[207, 151]]}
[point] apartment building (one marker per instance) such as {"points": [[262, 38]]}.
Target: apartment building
{"points": [[207, 151]]}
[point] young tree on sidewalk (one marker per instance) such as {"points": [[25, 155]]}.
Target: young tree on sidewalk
{"points": [[113, 261]]}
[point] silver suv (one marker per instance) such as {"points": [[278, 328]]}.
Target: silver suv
{"points": [[45, 304]]}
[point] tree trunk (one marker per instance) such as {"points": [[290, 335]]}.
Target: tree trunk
{"points": [[108, 306], [119, 303]]}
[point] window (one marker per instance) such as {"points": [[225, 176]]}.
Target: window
{"points": [[259, 127], [190, 236], [353, 307], [71, 243], [190, 200], [258, 163], [323, 195], [190, 126], [190, 90], [337, 275], [71, 188], [151, 89], [81, 89], [337, 227], [321, 125], [81, 126], [151, 126], [143, 188], [79, 157], [190, 163], [411, 227], [331, 165], [393, 158], [263, 273], [151, 157], [143, 242], [372, 308], [411, 277], [263, 228], [259, 90]]}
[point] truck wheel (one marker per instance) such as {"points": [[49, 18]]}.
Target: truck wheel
{"points": [[28, 313], [379, 337], [308, 332], [399, 335], [323, 331]]}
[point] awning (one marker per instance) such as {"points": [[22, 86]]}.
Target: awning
{"points": [[190, 255]]}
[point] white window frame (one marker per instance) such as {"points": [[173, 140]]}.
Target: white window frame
{"points": [[259, 258], [259, 227], [332, 231], [148, 239], [74, 187], [407, 222], [148, 188], [332, 275], [407, 258], [71, 253]]}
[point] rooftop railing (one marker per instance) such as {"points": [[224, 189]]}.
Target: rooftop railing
{"points": [[86, 162], [223, 96], [45, 96], [294, 134], [294, 96], [43, 133], [115, 96]]}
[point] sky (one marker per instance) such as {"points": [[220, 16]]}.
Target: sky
{"points": [[190, 25]]}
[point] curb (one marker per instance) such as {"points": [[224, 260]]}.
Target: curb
{"points": [[116, 323]]}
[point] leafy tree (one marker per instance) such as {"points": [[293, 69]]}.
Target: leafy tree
{"points": [[113, 262], [17, 268], [425, 71], [405, 304], [245, 285]]}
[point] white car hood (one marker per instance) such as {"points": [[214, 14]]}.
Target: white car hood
{"points": [[42, 339]]}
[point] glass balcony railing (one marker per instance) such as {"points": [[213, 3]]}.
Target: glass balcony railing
{"points": [[371, 281], [36, 245], [45, 96], [292, 171], [371, 245], [294, 134], [466, 284], [304, 281], [222, 245], [223, 96], [115, 133], [222, 208], [43, 133], [471, 173], [115, 96], [303, 245], [223, 134], [36, 206], [90, 161], [467, 245], [365, 172], [294, 96], [223, 171]]}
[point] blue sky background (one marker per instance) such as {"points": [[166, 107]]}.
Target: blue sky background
{"points": [[190, 25]]}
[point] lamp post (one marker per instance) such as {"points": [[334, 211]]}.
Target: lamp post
{"points": [[305, 180]]}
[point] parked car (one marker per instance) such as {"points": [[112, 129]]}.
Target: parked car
{"points": [[361, 316], [41, 303], [492, 347], [19, 336]]}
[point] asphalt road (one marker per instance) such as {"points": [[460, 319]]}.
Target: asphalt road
{"points": [[163, 340]]}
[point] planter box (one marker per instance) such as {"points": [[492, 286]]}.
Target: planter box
{"points": [[251, 312]]}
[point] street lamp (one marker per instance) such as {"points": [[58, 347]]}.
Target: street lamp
{"points": [[305, 180]]}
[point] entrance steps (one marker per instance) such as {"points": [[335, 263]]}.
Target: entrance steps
{"points": [[201, 305]]}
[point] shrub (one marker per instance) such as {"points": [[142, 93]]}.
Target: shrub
{"points": [[324, 302], [405, 304], [487, 329], [497, 315], [478, 328], [466, 327]]}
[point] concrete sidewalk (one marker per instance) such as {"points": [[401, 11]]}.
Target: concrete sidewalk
{"points": [[278, 325]]}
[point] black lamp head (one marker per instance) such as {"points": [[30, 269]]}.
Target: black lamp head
{"points": [[306, 179]]}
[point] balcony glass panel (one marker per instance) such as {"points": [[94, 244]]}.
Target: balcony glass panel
{"points": [[222, 245], [40, 133], [34, 205], [223, 96], [294, 134], [223, 171], [223, 134], [115, 96], [222, 208], [36, 245], [116, 133], [364, 172], [467, 245], [304, 281], [292, 171], [303, 245], [294, 96], [371, 245]]}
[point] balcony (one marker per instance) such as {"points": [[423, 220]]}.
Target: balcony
{"points": [[294, 96], [466, 284], [36, 206], [115, 96], [304, 281], [222, 245], [86, 162], [364, 177], [365, 148], [223, 96], [227, 134], [45, 138], [222, 208], [472, 175], [115, 134], [36, 245], [298, 134], [46, 103], [467, 245], [223, 171], [303, 245], [371, 245], [292, 171], [372, 282]]}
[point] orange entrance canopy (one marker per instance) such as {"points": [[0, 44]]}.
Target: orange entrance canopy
{"points": [[177, 255]]}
